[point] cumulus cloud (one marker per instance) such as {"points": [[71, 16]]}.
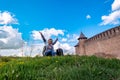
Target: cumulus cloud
{"points": [[116, 5], [12, 52], [10, 38], [11, 42], [114, 17], [67, 48], [72, 38], [7, 18], [48, 33], [88, 16], [64, 39]]}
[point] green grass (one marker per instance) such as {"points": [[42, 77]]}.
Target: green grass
{"points": [[59, 68]]}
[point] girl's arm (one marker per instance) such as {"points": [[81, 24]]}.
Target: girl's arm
{"points": [[43, 37], [55, 41]]}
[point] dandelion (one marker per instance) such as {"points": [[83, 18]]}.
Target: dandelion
{"points": [[48, 57], [13, 71], [17, 75], [2, 64], [56, 61], [21, 62]]}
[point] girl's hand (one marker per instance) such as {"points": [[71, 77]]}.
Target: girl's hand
{"points": [[40, 32]]}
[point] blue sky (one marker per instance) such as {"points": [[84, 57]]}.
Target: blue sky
{"points": [[70, 16]]}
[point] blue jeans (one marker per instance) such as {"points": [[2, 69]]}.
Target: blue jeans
{"points": [[50, 52]]}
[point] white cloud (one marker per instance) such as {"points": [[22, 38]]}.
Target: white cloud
{"points": [[11, 52], [72, 38], [32, 50], [48, 33], [88, 17], [116, 5], [114, 17], [7, 18], [67, 48], [10, 38], [36, 35], [11, 42], [64, 39]]}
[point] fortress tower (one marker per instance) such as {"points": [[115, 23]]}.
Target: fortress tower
{"points": [[80, 47]]}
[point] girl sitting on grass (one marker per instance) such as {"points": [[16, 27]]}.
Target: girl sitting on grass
{"points": [[49, 49]]}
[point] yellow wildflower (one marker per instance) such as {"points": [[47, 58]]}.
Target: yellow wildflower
{"points": [[2, 63], [21, 62]]}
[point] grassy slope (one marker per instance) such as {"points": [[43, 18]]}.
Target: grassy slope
{"points": [[59, 68]]}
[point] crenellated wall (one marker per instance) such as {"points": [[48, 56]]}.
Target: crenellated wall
{"points": [[106, 34], [107, 42]]}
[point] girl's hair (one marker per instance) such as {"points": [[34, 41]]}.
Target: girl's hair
{"points": [[49, 39]]}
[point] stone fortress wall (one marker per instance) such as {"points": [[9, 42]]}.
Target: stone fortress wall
{"points": [[105, 44]]}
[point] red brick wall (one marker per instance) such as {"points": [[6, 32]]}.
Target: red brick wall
{"points": [[107, 42], [108, 46]]}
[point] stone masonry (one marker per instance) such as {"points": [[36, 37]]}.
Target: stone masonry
{"points": [[105, 44]]}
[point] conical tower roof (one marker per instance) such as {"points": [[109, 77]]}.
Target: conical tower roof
{"points": [[82, 36]]}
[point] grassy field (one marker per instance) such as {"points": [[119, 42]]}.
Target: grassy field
{"points": [[59, 68]]}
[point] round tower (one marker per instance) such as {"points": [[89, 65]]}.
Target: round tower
{"points": [[81, 44], [77, 48]]}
